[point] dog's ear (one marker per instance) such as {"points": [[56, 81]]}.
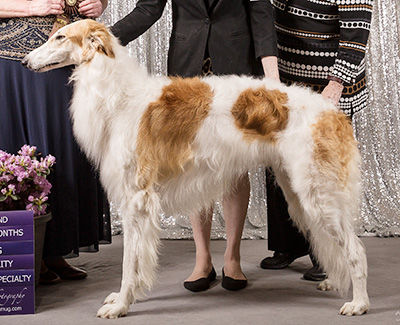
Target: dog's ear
{"points": [[100, 41], [102, 45]]}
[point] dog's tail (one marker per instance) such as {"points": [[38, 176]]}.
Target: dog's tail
{"points": [[149, 241]]}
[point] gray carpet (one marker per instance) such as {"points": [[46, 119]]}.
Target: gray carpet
{"points": [[272, 297]]}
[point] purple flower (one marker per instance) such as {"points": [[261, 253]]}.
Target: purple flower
{"points": [[27, 150], [23, 183]]}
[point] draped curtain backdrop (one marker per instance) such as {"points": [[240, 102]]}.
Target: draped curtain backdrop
{"points": [[376, 128]]}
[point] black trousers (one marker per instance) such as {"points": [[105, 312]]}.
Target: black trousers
{"points": [[283, 235]]}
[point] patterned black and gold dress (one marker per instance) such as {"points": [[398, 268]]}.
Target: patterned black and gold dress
{"points": [[322, 38], [34, 110], [318, 40]]}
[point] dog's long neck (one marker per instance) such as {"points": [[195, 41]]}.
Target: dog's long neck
{"points": [[100, 88]]}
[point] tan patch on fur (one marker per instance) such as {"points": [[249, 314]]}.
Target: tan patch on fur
{"points": [[261, 113], [334, 144], [92, 37], [168, 129]]}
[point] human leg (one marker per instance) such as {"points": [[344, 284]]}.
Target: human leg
{"points": [[201, 226], [203, 273], [284, 239], [235, 209]]}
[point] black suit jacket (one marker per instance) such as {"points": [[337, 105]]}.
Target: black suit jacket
{"points": [[237, 33]]}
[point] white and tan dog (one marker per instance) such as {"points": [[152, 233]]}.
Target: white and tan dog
{"points": [[175, 144]]}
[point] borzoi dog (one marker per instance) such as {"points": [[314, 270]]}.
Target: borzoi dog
{"points": [[175, 144]]}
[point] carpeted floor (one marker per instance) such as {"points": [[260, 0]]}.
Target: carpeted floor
{"points": [[272, 297]]}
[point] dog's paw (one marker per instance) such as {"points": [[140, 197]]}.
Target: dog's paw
{"points": [[326, 285], [111, 298], [354, 308], [113, 310]]}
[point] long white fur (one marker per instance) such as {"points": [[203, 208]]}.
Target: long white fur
{"points": [[110, 96]]}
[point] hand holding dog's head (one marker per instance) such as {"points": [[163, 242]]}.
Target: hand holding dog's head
{"points": [[73, 44]]}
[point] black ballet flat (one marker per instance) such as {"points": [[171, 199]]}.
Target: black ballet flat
{"points": [[231, 284], [201, 284]]}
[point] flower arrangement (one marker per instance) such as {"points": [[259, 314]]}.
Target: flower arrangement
{"points": [[23, 183]]}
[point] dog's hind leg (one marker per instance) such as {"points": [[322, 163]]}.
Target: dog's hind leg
{"points": [[323, 212], [358, 270], [350, 250], [141, 240]]}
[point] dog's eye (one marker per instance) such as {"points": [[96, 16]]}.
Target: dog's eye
{"points": [[60, 37]]}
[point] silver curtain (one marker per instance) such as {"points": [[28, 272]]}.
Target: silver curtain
{"points": [[376, 128]]}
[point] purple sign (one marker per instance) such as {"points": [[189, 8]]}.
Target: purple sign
{"points": [[17, 263], [16, 248], [16, 218], [17, 300], [17, 277], [16, 233]]}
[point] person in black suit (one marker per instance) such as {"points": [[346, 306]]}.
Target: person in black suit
{"points": [[219, 37]]}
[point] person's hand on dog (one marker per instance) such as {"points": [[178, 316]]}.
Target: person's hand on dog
{"points": [[270, 67], [332, 92], [92, 8], [45, 7]]}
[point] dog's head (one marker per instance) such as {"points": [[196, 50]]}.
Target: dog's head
{"points": [[74, 44]]}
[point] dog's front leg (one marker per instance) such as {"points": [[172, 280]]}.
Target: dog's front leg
{"points": [[141, 239], [117, 304]]}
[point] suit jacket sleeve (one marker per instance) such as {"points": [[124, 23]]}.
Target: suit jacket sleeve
{"points": [[263, 28], [145, 14]]}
